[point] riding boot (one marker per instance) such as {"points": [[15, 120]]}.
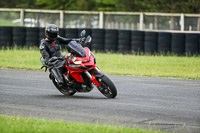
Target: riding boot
{"points": [[57, 74]]}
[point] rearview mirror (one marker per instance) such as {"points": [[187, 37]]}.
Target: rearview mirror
{"points": [[83, 32], [88, 40]]}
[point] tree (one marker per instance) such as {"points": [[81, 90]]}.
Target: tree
{"points": [[106, 5], [167, 6], [9, 3], [87, 5], [27, 4], [54, 4]]}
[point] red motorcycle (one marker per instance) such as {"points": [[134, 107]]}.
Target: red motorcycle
{"points": [[81, 73]]}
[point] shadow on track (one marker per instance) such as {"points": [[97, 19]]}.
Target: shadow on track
{"points": [[71, 97]]}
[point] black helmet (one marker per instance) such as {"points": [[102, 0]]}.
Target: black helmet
{"points": [[51, 32]]}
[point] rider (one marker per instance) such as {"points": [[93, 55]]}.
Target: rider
{"points": [[51, 51]]}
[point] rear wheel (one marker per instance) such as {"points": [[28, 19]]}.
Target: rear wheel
{"points": [[107, 87], [64, 90]]}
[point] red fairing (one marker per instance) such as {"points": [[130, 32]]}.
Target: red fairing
{"points": [[94, 80], [75, 72], [77, 76], [88, 60]]}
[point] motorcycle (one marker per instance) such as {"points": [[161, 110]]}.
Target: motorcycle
{"points": [[80, 72]]}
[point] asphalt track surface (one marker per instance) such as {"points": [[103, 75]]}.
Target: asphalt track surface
{"points": [[171, 105]]}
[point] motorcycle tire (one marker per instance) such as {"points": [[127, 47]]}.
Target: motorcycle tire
{"points": [[107, 87], [63, 90]]}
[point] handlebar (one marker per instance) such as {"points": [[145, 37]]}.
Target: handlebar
{"points": [[81, 40], [43, 65]]}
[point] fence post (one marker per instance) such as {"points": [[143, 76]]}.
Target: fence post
{"points": [[61, 19], [141, 21], [182, 22], [22, 17], [101, 20], [198, 25], [155, 24]]}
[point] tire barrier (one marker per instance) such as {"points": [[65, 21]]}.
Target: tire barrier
{"points": [[71, 33], [19, 36], [32, 36], [6, 36], [111, 40], [178, 44], [137, 42], [124, 41], [62, 34], [98, 39], [191, 44], [150, 42], [164, 42], [68, 33], [41, 33]]}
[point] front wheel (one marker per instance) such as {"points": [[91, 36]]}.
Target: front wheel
{"points": [[107, 88], [64, 90]]}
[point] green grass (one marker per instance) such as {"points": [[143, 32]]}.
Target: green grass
{"points": [[155, 66], [4, 22], [25, 125]]}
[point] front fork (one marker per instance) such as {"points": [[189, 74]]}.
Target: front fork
{"points": [[96, 74]]}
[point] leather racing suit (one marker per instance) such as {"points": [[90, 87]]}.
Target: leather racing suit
{"points": [[51, 52]]}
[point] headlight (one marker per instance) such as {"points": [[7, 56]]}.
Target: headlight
{"points": [[78, 62]]}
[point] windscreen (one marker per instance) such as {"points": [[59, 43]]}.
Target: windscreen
{"points": [[76, 49]]}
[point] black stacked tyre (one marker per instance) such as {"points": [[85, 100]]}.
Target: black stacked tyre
{"points": [[124, 41], [41, 33], [111, 40], [19, 36], [137, 42], [32, 36], [62, 34], [71, 33], [191, 44], [150, 42], [164, 42], [178, 43], [98, 39], [5, 37]]}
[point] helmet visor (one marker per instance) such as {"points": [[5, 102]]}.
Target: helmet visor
{"points": [[53, 35]]}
